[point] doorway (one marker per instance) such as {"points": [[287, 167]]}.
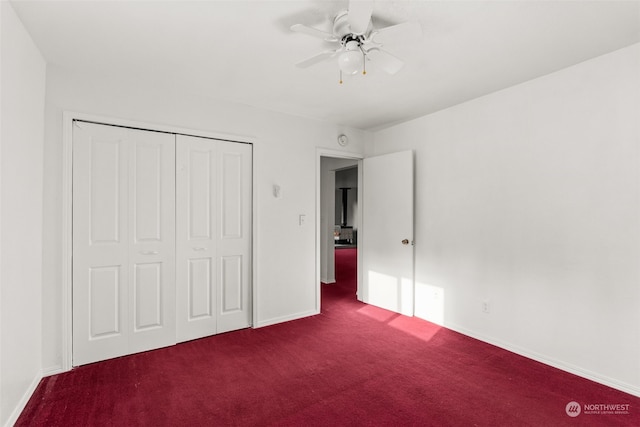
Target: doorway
{"points": [[385, 261], [340, 176]]}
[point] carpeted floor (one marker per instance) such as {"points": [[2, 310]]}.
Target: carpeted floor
{"points": [[352, 365]]}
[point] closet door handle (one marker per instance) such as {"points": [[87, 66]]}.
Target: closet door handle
{"points": [[149, 252], [200, 249]]}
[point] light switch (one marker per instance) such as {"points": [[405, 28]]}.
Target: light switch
{"points": [[302, 218]]}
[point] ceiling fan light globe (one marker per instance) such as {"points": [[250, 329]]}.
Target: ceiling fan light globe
{"points": [[350, 62]]}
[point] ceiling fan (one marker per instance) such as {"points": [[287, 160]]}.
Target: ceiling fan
{"points": [[358, 42]]}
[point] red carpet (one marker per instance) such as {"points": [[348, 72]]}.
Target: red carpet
{"points": [[352, 365]]}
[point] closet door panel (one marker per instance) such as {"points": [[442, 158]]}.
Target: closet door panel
{"points": [[105, 190], [231, 186], [152, 240], [196, 269], [100, 251], [123, 241], [199, 291], [234, 236], [213, 236], [147, 296], [201, 190], [231, 284], [147, 193], [104, 302]]}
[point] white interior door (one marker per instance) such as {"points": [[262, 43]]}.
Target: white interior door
{"points": [[213, 236], [152, 236], [100, 243], [386, 244], [123, 241], [234, 236]]}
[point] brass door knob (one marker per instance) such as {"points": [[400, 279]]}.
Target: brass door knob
{"points": [[405, 241]]}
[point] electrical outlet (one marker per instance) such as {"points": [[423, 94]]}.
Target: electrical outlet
{"points": [[486, 308]]}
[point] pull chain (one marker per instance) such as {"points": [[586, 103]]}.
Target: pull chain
{"points": [[340, 76], [364, 63]]}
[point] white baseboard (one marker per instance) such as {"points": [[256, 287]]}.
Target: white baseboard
{"points": [[52, 370], [276, 320], [15, 414], [559, 364]]}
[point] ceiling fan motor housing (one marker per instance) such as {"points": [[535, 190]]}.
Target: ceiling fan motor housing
{"points": [[352, 41]]}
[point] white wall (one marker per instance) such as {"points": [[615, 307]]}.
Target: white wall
{"points": [[529, 198], [22, 125], [284, 154]]}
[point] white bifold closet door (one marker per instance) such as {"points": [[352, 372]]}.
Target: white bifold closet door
{"points": [[123, 241], [160, 254], [213, 236]]}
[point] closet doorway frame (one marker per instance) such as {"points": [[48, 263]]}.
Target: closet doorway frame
{"points": [[68, 117]]}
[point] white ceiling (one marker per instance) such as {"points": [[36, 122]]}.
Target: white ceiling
{"points": [[243, 51]]}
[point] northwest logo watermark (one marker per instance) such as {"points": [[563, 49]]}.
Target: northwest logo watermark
{"points": [[573, 409]]}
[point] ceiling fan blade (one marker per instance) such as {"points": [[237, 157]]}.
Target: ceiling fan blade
{"points": [[360, 15], [400, 33], [384, 60], [317, 58], [300, 28]]}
